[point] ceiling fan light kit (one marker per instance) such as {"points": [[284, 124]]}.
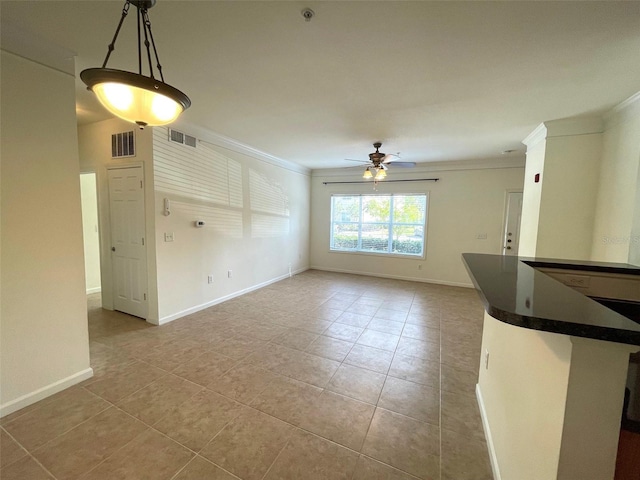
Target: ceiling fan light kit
{"points": [[134, 97], [379, 163]]}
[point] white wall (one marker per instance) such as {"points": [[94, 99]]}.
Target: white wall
{"points": [[531, 199], [523, 394], [613, 239], [560, 210], [551, 403], [465, 202], [90, 232], [256, 216], [94, 144], [44, 334]]}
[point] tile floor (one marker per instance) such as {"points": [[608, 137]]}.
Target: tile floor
{"points": [[321, 376]]}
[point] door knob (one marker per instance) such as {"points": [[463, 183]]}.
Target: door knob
{"points": [[508, 247], [113, 249]]}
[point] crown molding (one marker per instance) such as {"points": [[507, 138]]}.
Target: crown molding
{"points": [[568, 127], [430, 167], [565, 127], [623, 112], [535, 137], [215, 139]]}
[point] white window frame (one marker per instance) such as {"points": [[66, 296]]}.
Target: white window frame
{"points": [[390, 224]]}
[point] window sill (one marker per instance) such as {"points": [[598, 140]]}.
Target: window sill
{"points": [[382, 254]]}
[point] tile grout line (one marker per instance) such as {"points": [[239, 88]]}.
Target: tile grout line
{"points": [[240, 361]]}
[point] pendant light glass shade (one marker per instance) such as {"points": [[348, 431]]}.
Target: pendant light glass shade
{"points": [[136, 98], [367, 174], [381, 174]]}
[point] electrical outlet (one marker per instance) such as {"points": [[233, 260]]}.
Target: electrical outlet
{"points": [[168, 237], [486, 359], [229, 274], [481, 236], [210, 279]]}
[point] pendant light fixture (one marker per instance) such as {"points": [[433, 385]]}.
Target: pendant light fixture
{"points": [[134, 97]]}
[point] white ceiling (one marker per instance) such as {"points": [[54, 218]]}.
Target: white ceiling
{"points": [[435, 81]]}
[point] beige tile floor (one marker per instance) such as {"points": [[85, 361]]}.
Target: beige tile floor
{"points": [[321, 376]]}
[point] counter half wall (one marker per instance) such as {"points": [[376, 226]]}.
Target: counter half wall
{"points": [[552, 377]]}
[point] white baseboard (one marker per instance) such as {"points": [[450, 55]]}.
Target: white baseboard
{"points": [[487, 435], [197, 308], [394, 277], [44, 392], [93, 290]]}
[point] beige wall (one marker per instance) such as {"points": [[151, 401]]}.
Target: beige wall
{"points": [[178, 270], [44, 335], [523, 393], [531, 198], [615, 235], [559, 211], [256, 216], [94, 145], [462, 204]]}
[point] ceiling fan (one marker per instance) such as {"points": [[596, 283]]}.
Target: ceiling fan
{"points": [[379, 162]]}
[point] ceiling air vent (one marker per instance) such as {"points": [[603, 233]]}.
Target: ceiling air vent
{"points": [[123, 145], [181, 138]]}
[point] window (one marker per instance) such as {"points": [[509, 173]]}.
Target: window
{"points": [[390, 224]]}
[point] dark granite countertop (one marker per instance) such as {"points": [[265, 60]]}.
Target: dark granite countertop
{"points": [[514, 292]]}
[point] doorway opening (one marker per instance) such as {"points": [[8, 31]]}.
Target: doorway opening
{"points": [[512, 216], [90, 233]]}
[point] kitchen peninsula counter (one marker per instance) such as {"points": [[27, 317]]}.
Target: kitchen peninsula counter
{"points": [[515, 292], [554, 364]]}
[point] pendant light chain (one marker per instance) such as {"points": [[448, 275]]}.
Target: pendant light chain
{"points": [[135, 97], [147, 24], [139, 45], [112, 45], [144, 19]]}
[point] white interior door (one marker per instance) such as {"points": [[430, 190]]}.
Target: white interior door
{"points": [[128, 251], [511, 237]]}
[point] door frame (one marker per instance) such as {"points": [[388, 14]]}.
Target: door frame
{"points": [[106, 258], [505, 212], [98, 219]]}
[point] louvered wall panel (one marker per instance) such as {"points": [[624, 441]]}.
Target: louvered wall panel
{"points": [[268, 226], [267, 195], [200, 173], [224, 222]]}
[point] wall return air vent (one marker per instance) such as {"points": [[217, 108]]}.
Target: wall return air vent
{"points": [[182, 138], [123, 145]]}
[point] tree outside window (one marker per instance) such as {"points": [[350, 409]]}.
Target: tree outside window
{"points": [[390, 224]]}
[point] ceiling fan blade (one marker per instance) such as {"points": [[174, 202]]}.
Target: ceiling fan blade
{"points": [[402, 164], [388, 157], [359, 161]]}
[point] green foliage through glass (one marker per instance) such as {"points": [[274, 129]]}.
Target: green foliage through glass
{"points": [[392, 224]]}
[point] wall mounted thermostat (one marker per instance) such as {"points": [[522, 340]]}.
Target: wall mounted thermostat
{"points": [[199, 223]]}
